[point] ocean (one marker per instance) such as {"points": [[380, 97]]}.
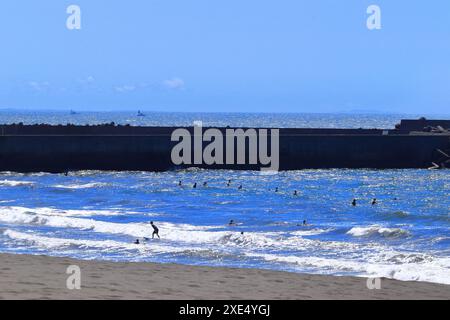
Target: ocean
{"points": [[99, 215]]}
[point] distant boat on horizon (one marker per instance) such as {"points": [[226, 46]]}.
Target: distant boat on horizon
{"points": [[73, 112], [140, 114]]}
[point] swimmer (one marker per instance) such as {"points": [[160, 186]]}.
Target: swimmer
{"points": [[232, 223], [229, 183], [374, 201], [295, 193], [180, 183], [205, 184], [276, 189], [354, 202], [240, 187], [195, 185], [136, 241]]}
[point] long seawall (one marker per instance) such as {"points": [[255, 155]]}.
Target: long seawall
{"points": [[45, 148]]}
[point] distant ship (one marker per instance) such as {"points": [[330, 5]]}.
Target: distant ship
{"points": [[73, 112], [140, 114]]}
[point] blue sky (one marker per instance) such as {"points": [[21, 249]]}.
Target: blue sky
{"points": [[233, 55]]}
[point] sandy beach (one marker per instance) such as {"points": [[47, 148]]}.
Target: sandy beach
{"points": [[42, 277]]}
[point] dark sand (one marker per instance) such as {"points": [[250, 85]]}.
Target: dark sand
{"points": [[41, 277]]}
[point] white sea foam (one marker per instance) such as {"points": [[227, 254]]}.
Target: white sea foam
{"points": [[18, 174], [311, 232], [62, 212], [182, 233], [82, 186], [60, 243], [377, 230], [437, 271], [250, 239], [102, 245], [13, 183], [52, 218]]}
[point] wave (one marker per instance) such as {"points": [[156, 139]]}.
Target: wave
{"points": [[181, 233], [82, 186], [104, 245], [59, 243], [18, 174], [62, 219], [45, 211], [377, 231], [402, 258], [13, 183], [311, 232], [437, 271], [400, 214]]}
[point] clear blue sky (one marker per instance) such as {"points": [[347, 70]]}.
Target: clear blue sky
{"points": [[226, 55]]}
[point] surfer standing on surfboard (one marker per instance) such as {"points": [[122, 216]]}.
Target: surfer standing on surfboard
{"points": [[155, 230]]}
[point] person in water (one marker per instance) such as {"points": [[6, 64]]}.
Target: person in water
{"points": [[205, 184], [232, 223], [354, 202], [136, 241], [276, 189], [229, 183], [195, 185], [155, 230], [240, 187], [295, 193], [374, 201], [180, 183]]}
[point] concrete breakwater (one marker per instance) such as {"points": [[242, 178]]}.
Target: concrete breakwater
{"points": [[45, 148]]}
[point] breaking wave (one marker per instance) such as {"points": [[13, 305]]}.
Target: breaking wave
{"points": [[377, 231], [82, 186], [12, 183]]}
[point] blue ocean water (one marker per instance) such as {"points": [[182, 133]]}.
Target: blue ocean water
{"points": [[98, 215], [281, 120]]}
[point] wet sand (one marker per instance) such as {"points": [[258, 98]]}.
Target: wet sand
{"points": [[42, 277]]}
